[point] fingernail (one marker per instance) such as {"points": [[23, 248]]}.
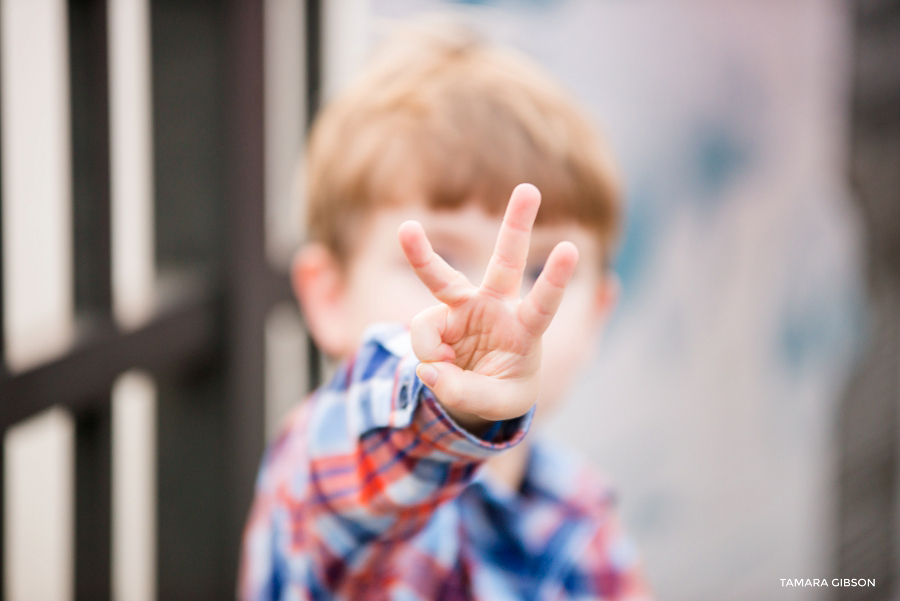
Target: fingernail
{"points": [[427, 373]]}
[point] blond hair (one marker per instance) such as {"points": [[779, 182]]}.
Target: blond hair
{"points": [[447, 119]]}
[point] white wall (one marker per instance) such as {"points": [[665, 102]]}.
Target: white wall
{"points": [[38, 301]]}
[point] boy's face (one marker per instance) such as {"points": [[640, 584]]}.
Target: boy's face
{"points": [[378, 285]]}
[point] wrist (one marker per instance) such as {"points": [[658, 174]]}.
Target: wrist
{"points": [[469, 421]]}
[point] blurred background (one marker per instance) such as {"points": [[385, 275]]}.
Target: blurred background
{"points": [[744, 398]]}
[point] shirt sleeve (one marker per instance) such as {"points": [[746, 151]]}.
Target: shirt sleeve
{"points": [[363, 466]]}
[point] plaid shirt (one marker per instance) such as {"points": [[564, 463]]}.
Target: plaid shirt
{"points": [[372, 492]]}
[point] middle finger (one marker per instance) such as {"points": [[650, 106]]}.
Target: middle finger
{"points": [[504, 271]]}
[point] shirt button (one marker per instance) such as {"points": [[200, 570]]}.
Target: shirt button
{"points": [[403, 399]]}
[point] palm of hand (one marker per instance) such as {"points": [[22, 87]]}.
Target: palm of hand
{"points": [[480, 347], [487, 338]]}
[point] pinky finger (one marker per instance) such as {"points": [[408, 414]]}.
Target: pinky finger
{"points": [[537, 309]]}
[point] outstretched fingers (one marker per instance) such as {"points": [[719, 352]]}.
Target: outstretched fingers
{"points": [[537, 309], [504, 271], [446, 284]]}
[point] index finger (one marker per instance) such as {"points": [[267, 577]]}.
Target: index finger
{"points": [[446, 284], [504, 271]]}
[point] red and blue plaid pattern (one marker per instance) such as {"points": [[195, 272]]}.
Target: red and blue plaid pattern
{"points": [[373, 493]]}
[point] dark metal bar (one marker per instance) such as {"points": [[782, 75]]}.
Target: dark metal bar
{"points": [[3, 368], [313, 93], [189, 212], [315, 363], [191, 445], [93, 288], [92, 501], [90, 160], [174, 341], [2, 513], [313, 57], [247, 273], [3, 372]]}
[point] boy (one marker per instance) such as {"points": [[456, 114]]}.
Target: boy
{"points": [[409, 475]]}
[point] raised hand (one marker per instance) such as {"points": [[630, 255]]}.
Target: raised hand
{"points": [[480, 348]]}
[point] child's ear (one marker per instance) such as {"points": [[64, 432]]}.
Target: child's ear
{"points": [[319, 284]]}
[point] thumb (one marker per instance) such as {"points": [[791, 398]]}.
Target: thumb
{"points": [[470, 392]]}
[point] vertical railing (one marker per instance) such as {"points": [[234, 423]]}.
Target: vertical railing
{"points": [[204, 344], [254, 286], [93, 285]]}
